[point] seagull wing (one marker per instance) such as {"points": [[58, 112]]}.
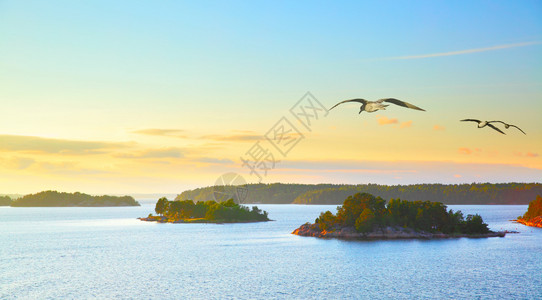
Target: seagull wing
{"points": [[497, 122], [351, 100], [488, 124], [400, 103], [518, 128], [508, 125], [471, 120]]}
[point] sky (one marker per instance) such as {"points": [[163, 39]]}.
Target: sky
{"points": [[162, 96]]}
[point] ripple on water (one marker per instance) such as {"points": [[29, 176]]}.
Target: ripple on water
{"points": [[107, 253]]}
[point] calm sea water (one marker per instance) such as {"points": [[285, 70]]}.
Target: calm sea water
{"points": [[79, 253]]}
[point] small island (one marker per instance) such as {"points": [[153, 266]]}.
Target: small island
{"points": [[364, 216], [204, 212], [533, 216], [57, 199]]}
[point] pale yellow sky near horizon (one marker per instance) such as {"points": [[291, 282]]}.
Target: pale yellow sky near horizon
{"points": [[147, 98], [343, 147]]}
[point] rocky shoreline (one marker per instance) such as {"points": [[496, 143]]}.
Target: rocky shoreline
{"points": [[388, 233], [534, 222], [189, 221]]}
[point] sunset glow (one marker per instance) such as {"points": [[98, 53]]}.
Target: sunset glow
{"points": [[147, 97]]}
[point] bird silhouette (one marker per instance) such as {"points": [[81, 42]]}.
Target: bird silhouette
{"points": [[482, 124], [508, 125], [372, 106]]}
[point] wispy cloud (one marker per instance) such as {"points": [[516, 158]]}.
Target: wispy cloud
{"points": [[210, 160], [467, 51], [234, 137], [49, 145], [468, 151], [68, 168], [464, 151], [153, 153], [178, 133], [528, 154], [405, 124], [17, 163], [383, 120]]}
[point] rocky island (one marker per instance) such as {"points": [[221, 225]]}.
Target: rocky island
{"points": [[57, 199], [533, 216], [364, 216], [187, 211]]}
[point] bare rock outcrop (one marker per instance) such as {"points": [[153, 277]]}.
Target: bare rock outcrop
{"points": [[534, 222], [391, 233]]}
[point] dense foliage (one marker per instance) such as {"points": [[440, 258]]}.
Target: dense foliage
{"points": [[54, 198], [227, 211], [275, 193], [5, 201], [534, 210], [476, 193], [366, 212]]}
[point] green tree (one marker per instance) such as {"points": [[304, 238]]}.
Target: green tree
{"points": [[475, 224], [354, 205], [366, 221], [187, 209], [229, 203], [5, 201], [326, 220], [199, 210], [535, 209], [175, 208], [161, 206]]}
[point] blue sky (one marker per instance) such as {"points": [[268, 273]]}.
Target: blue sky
{"points": [[98, 72]]}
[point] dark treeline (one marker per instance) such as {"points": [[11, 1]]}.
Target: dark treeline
{"points": [[366, 212], [476, 193], [534, 210], [274, 193], [56, 199], [227, 211], [5, 201]]}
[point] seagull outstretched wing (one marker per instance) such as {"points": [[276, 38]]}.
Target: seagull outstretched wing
{"points": [[510, 125], [351, 100], [471, 120], [400, 103], [488, 124], [517, 128]]}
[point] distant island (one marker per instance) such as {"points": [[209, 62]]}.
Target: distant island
{"points": [[449, 194], [364, 216], [188, 211], [533, 216], [58, 199]]}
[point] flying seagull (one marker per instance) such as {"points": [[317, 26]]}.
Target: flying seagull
{"points": [[372, 106], [508, 125], [482, 124]]}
